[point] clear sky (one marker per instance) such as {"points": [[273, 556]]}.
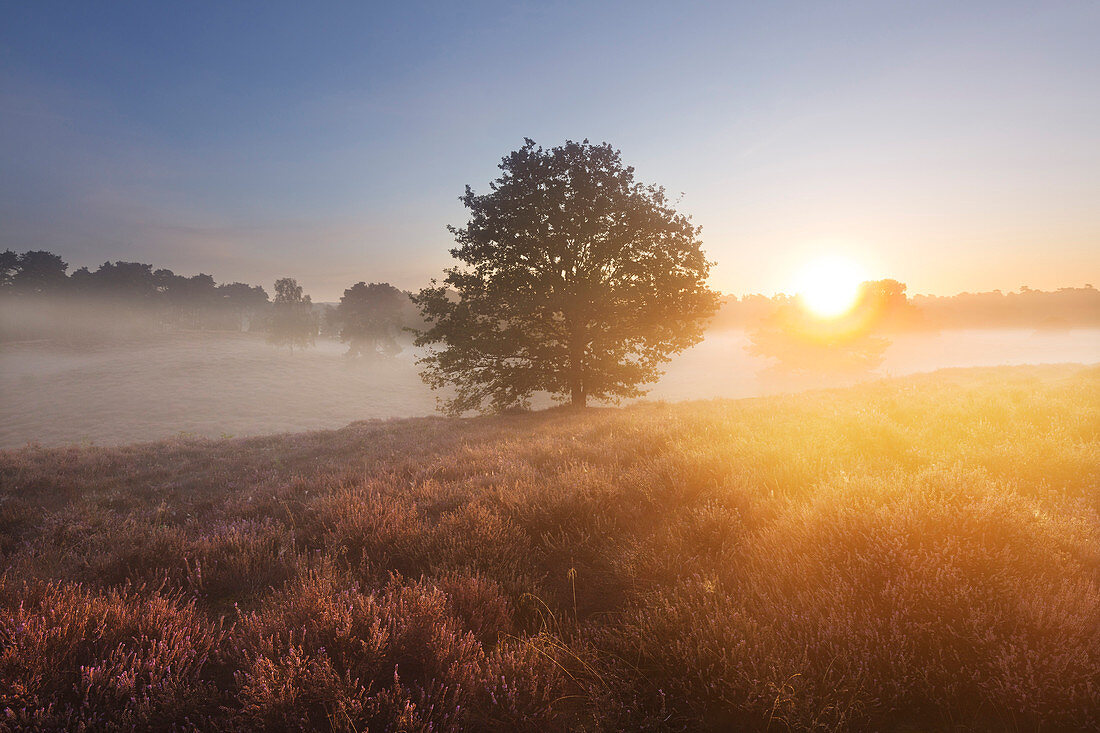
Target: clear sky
{"points": [[953, 146]]}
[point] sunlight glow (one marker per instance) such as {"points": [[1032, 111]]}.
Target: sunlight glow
{"points": [[829, 286]]}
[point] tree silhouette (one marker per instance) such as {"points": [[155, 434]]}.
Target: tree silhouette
{"points": [[131, 284], [243, 301], [293, 323], [574, 279], [38, 273], [9, 266], [369, 318]]}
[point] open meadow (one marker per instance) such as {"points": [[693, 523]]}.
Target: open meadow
{"points": [[909, 554]]}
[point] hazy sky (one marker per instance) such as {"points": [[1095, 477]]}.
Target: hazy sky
{"points": [[953, 146]]}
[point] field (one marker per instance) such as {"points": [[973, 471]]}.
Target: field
{"points": [[915, 553], [210, 384], [911, 554]]}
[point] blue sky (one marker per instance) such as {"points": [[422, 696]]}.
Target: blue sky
{"points": [[953, 146]]}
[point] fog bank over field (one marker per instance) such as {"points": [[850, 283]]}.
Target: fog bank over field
{"points": [[720, 366], [217, 384]]}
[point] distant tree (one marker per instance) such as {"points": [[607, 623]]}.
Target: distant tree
{"points": [[193, 299], [9, 265], [243, 301], [370, 318], [123, 283], [328, 324], [38, 273], [574, 279], [884, 304], [293, 323], [801, 343]]}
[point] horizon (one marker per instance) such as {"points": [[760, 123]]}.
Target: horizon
{"points": [[332, 148], [792, 293]]}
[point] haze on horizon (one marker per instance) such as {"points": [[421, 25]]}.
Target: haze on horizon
{"points": [[950, 146]]}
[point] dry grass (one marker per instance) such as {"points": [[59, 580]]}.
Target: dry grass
{"points": [[921, 553]]}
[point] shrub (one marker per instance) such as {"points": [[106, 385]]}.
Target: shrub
{"points": [[71, 658]]}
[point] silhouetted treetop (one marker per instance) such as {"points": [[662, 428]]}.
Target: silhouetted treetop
{"points": [[35, 273], [9, 265]]}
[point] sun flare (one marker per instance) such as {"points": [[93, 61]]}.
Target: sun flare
{"points": [[829, 286]]}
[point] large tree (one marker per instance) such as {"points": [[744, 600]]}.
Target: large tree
{"points": [[370, 318], [573, 279]]}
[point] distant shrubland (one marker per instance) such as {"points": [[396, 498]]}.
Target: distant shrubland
{"points": [[914, 554]]}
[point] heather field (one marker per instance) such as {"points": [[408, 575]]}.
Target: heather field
{"points": [[910, 554]]}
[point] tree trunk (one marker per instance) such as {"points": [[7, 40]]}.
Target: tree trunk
{"points": [[577, 397]]}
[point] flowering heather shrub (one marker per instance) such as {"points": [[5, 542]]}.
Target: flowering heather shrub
{"points": [[911, 554], [17, 519], [480, 605], [323, 653], [73, 659]]}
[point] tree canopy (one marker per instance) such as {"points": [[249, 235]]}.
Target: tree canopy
{"points": [[573, 279], [32, 273], [370, 317]]}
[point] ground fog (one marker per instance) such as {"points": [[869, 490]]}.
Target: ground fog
{"points": [[211, 384]]}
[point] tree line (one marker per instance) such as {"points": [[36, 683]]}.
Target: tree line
{"points": [[40, 298], [159, 296]]}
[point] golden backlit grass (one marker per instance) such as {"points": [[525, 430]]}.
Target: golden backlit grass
{"points": [[910, 554]]}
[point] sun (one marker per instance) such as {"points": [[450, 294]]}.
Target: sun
{"points": [[829, 286]]}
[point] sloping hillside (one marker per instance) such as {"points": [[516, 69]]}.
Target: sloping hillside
{"points": [[915, 553]]}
